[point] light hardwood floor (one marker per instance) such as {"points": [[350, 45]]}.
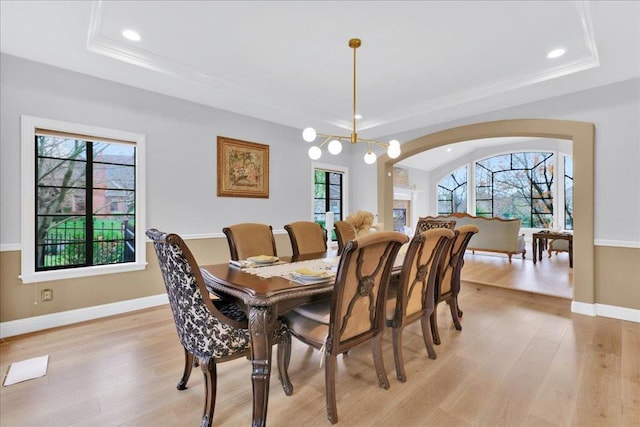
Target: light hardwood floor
{"points": [[551, 276], [520, 360]]}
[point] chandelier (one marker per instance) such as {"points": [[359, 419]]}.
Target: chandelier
{"points": [[335, 144]]}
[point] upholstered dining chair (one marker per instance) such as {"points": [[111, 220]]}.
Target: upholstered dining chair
{"points": [[427, 223], [344, 233], [306, 237], [355, 313], [210, 332], [448, 282], [413, 296], [557, 246], [250, 239]]}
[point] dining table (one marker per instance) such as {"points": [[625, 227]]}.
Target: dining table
{"points": [[266, 292]]}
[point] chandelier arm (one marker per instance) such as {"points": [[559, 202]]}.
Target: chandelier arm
{"points": [[373, 141], [326, 139], [328, 136]]}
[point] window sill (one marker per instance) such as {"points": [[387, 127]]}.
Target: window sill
{"points": [[72, 273]]}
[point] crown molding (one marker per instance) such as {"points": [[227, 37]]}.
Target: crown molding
{"points": [[121, 51]]}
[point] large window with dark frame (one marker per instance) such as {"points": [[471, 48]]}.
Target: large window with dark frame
{"points": [[516, 185], [327, 196], [84, 201], [452, 192]]}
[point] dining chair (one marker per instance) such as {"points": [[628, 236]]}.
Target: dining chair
{"points": [[250, 239], [448, 281], [306, 237], [355, 312], [557, 246], [427, 223], [344, 233], [210, 332], [413, 296]]}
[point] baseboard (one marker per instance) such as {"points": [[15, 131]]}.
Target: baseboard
{"points": [[604, 310], [47, 321]]}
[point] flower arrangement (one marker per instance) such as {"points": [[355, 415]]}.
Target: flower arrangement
{"points": [[361, 221]]}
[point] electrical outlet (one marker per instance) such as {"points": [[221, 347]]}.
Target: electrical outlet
{"points": [[47, 295]]}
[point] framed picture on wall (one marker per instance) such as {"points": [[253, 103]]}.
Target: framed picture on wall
{"points": [[243, 168]]}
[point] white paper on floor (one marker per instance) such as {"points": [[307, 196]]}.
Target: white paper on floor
{"points": [[26, 370]]}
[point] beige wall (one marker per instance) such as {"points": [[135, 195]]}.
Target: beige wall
{"points": [[20, 301], [618, 276], [588, 287]]}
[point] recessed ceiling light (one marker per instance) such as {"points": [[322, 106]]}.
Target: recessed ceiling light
{"points": [[358, 116], [131, 35], [556, 53], [449, 150]]}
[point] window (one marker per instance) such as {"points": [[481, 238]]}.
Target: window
{"points": [[329, 188], [452, 192], [83, 188], [516, 185], [568, 193], [399, 219]]}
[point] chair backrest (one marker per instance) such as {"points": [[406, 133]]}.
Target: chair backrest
{"points": [[201, 327], [250, 239], [360, 291], [427, 223], [344, 233], [448, 281], [415, 292], [306, 237]]}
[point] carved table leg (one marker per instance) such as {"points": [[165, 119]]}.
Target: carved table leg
{"points": [[261, 325]]}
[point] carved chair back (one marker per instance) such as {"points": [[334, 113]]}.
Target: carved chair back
{"points": [[359, 296], [428, 222], [415, 289], [452, 262]]}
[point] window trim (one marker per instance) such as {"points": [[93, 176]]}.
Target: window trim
{"points": [[29, 124]]}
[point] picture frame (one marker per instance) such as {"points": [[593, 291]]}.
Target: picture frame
{"points": [[243, 168]]}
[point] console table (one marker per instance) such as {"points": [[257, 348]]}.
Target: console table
{"points": [[540, 240]]}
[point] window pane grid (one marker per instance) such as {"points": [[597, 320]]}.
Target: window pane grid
{"points": [[328, 194], [80, 223]]}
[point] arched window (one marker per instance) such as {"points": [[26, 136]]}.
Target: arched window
{"points": [[452, 192], [513, 185], [516, 185]]}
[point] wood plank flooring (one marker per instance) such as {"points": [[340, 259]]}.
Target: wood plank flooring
{"points": [[520, 360], [551, 276]]}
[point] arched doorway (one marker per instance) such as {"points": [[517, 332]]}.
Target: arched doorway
{"points": [[583, 136]]}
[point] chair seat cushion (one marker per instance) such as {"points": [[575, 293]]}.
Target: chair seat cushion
{"points": [[230, 309], [316, 311], [314, 333]]}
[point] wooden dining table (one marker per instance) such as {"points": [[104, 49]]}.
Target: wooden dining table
{"points": [[265, 298]]}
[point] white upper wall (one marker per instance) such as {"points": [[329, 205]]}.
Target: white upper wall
{"points": [[615, 111], [181, 149]]}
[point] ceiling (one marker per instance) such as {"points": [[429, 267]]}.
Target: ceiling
{"points": [[289, 62]]}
